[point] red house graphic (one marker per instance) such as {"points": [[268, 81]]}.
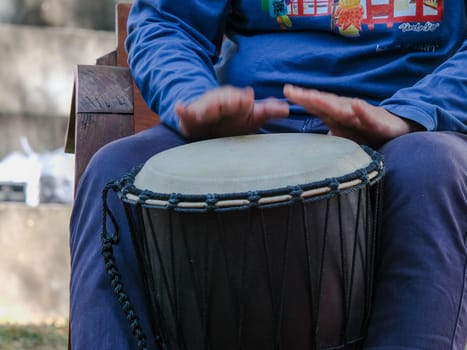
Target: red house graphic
{"points": [[378, 12], [310, 7], [375, 11]]}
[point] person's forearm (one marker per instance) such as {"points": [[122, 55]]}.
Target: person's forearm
{"points": [[170, 60], [438, 101]]}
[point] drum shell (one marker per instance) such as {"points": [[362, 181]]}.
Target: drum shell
{"points": [[295, 275]]}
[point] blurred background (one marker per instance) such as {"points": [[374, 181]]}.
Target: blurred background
{"points": [[41, 42]]}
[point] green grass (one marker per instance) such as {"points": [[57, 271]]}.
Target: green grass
{"points": [[37, 337]]}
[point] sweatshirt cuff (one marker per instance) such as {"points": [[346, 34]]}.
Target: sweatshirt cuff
{"points": [[412, 113]]}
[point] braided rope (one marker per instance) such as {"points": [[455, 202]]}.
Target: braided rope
{"points": [[108, 241]]}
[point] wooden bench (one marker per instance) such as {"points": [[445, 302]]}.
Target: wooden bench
{"points": [[106, 104]]}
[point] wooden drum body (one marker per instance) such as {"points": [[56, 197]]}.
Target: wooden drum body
{"points": [[258, 242]]}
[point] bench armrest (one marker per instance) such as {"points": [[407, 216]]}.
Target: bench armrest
{"points": [[101, 111]]}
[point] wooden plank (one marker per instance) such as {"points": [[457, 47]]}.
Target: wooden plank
{"points": [[106, 103], [70, 129], [103, 89], [144, 116], [109, 59], [122, 11], [94, 131], [98, 89], [103, 110]]}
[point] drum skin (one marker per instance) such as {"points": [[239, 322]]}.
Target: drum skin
{"points": [[250, 163], [292, 274]]}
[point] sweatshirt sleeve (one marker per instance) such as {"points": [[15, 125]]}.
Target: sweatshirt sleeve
{"points": [[172, 47], [439, 100]]}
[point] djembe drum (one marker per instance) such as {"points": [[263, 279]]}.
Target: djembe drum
{"points": [[257, 242]]}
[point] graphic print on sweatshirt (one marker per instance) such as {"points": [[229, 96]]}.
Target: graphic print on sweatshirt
{"points": [[349, 17]]}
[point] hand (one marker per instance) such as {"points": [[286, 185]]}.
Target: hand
{"points": [[351, 118], [227, 111]]}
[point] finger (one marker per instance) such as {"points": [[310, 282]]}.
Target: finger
{"points": [[303, 97], [183, 112], [187, 120], [269, 108], [321, 104], [247, 100], [371, 117], [234, 101], [224, 102]]}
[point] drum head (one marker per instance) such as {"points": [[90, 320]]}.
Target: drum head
{"points": [[250, 163]]}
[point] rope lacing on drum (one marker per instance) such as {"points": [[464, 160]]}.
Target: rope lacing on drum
{"points": [[377, 162], [362, 174], [173, 200], [144, 195], [295, 192], [126, 185], [108, 241], [211, 201], [253, 197], [334, 184], [129, 178]]}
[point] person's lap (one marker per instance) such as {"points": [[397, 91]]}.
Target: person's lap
{"points": [[421, 274], [96, 318], [421, 289]]}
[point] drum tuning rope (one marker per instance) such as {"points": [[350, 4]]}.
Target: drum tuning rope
{"points": [[108, 241]]}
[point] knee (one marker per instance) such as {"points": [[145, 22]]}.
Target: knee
{"points": [[120, 156], [427, 160], [106, 164], [425, 187]]}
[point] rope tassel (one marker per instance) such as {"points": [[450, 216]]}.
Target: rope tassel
{"points": [[108, 241]]}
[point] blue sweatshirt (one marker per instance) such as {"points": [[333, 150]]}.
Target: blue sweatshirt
{"points": [[407, 56]]}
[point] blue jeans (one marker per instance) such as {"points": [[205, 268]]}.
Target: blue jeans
{"points": [[420, 298]]}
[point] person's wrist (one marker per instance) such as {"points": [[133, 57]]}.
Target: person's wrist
{"points": [[413, 126]]}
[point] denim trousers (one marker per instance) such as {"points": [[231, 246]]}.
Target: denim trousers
{"points": [[420, 291]]}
